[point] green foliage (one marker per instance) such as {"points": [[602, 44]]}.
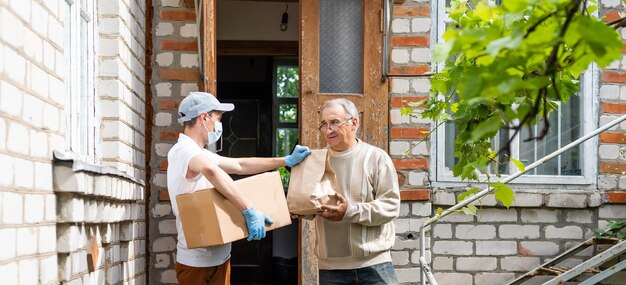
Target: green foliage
{"points": [[615, 229], [509, 66], [284, 175], [287, 79], [503, 193], [466, 194]]}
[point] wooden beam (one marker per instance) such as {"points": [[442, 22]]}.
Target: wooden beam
{"points": [[264, 48], [283, 1]]}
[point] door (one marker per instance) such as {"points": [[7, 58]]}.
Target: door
{"points": [[340, 57]]}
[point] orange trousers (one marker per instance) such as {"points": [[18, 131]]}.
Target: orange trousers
{"points": [[216, 275]]}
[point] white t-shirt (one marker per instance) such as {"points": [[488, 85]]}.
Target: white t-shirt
{"points": [[178, 159]]}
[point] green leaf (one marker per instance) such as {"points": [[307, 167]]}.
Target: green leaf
{"points": [[441, 51], [503, 193], [518, 164], [406, 111], [439, 211], [509, 42], [454, 107], [488, 127], [466, 194]]}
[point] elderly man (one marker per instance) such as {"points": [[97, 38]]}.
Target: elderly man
{"points": [[354, 237], [191, 168]]}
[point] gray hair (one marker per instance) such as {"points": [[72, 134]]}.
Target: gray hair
{"points": [[347, 105]]}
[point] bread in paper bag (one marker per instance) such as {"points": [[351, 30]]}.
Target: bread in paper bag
{"points": [[312, 184]]}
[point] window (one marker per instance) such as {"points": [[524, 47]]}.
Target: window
{"points": [[79, 78], [286, 81], [575, 166]]}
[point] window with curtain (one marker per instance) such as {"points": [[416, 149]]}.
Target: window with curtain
{"points": [[79, 78], [568, 123]]}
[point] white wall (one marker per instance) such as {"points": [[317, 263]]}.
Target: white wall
{"points": [[256, 21]]}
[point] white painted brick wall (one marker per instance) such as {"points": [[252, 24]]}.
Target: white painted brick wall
{"points": [[421, 25], [189, 31], [34, 203], [453, 278], [48, 270], [400, 86], [453, 247], [608, 91], [6, 176], [475, 231], [496, 247], [29, 271], [538, 216], [420, 85], [476, 263], [12, 208], [421, 55], [554, 232], [400, 56], [519, 264], [400, 258], [185, 88], [165, 59], [7, 244], [493, 278], [519, 231], [26, 241], [443, 263], [400, 26], [539, 248]]}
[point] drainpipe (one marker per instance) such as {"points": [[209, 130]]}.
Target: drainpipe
{"points": [[425, 268]]}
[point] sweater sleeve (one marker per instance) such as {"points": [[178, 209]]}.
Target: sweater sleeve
{"points": [[385, 205]]}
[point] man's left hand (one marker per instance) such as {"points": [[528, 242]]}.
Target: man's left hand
{"points": [[335, 213]]}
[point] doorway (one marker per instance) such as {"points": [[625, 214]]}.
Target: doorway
{"points": [[264, 90]]}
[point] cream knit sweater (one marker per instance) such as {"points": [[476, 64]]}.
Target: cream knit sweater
{"points": [[367, 178]]}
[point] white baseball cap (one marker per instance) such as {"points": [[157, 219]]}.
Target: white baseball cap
{"points": [[197, 103]]}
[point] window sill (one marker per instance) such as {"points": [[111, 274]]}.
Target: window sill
{"points": [[83, 165]]}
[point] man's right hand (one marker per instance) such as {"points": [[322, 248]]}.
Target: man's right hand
{"points": [[255, 220]]}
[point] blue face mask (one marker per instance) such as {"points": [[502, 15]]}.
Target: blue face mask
{"points": [[214, 136]]}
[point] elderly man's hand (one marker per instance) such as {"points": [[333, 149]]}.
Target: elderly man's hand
{"points": [[335, 213]]}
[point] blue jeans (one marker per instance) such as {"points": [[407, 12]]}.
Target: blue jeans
{"points": [[379, 274]]}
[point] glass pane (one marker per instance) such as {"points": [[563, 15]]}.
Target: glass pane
{"points": [[565, 127], [341, 46], [287, 82], [571, 160], [287, 113], [451, 133], [286, 139]]}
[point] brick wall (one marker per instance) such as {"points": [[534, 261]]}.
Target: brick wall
{"points": [[31, 116], [175, 73], [55, 215], [498, 244]]}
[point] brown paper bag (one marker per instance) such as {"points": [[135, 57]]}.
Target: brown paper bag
{"points": [[312, 184]]}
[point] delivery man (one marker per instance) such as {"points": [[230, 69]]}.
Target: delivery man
{"points": [[191, 167]]}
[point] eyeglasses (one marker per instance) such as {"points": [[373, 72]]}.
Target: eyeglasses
{"points": [[333, 124]]}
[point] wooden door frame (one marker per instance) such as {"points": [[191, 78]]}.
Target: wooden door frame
{"points": [[208, 80], [373, 104]]}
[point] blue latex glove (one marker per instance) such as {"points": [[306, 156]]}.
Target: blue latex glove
{"points": [[255, 220], [298, 155]]}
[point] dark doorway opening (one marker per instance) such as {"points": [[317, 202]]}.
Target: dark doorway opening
{"points": [[262, 124]]}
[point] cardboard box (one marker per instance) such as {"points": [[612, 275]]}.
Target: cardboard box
{"points": [[208, 218]]}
